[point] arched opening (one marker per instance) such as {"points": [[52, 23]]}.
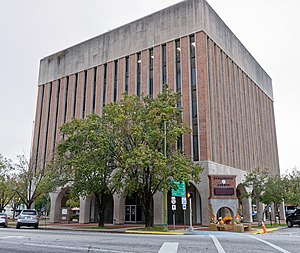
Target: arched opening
{"points": [[108, 209], [182, 216], [133, 209], [224, 211]]}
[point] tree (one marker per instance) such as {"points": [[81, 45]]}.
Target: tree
{"points": [[292, 187], [7, 182], [135, 133], [31, 184], [82, 160], [256, 181]]}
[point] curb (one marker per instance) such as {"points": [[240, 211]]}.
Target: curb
{"points": [[270, 230], [153, 232]]}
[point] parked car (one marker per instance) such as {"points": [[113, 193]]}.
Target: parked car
{"points": [[28, 218], [3, 220], [293, 218]]}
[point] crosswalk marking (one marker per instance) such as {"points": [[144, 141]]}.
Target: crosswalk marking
{"points": [[217, 244], [169, 247], [271, 244]]}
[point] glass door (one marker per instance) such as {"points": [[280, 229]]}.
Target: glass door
{"points": [[130, 213]]}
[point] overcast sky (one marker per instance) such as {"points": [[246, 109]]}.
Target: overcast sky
{"points": [[33, 29]]}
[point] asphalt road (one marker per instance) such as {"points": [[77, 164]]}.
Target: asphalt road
{"points": [[49, 241]]}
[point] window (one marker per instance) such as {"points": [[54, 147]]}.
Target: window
{"points": [[138, 76], [104, 83], [75, 95], [164, 66], [126, 74], [193, 81], [84, 93], [66, 98], [115, 81], [151, 59], [94, 89]]}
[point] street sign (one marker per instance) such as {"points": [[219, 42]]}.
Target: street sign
{"points": [[173, 200], [183, 207], [180, 189], [173, 207], [183, 200]]}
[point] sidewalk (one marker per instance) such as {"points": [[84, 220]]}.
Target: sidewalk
{"points": [[137, 228]]}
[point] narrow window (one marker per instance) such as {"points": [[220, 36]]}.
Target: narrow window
{"points": [[126, 74], [178, 65], [56, 115], [94, 89], [84, 94], [151, 59], [164, 66], [47, 126], [178, 82], [115, 81], [75, 95], [66, 99], [39, 129], [193, 81], [104, 83], [138, 79]]}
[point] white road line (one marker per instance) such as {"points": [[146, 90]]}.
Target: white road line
{"points": [[11, 236], [270, 244], [89, 249], [169, 247], [217, 244]]}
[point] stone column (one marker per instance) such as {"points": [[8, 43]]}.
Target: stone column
{"points": [[119, 209], [282, 212], [85, 204], [158, 201], [247, 210], [55, 207], [260, 211]]}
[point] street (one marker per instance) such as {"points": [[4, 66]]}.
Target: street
{"points": [[29, 240]]}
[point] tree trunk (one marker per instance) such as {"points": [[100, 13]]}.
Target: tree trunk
{"points": [[147, 204], [100, 207]]}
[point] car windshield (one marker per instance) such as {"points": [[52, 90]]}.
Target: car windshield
{"points": [[29, 212], [3, 214]]}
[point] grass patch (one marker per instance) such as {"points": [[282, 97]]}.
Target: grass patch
{"points": [[157, 228], [269, 226], [96, 227]]}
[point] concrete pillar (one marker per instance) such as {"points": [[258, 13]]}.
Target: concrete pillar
{"points": [[85, 207], [55, 207], [281, 210], [205, 211], [273, 213], [260, 212], [158, 201], [247, 210], [119, 209]]}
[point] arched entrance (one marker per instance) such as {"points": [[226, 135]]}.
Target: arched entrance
{"points": [[133, 209], [108, 209], [182, 216]]}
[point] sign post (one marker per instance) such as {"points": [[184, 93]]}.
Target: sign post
{"points": [[173, 202], [190, 196]]}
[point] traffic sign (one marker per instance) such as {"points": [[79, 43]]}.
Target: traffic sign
{"points": [[180, 188], [173, 207], [183, 207], [173, 200], [183, 200]]}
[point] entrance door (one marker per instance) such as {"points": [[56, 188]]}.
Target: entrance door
{"points": [[130, 213]]}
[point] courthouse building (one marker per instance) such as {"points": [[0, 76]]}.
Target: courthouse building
{"points": [[227, 100]]}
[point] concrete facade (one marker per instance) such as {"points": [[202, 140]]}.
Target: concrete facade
{"points": [[227, 97]]}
